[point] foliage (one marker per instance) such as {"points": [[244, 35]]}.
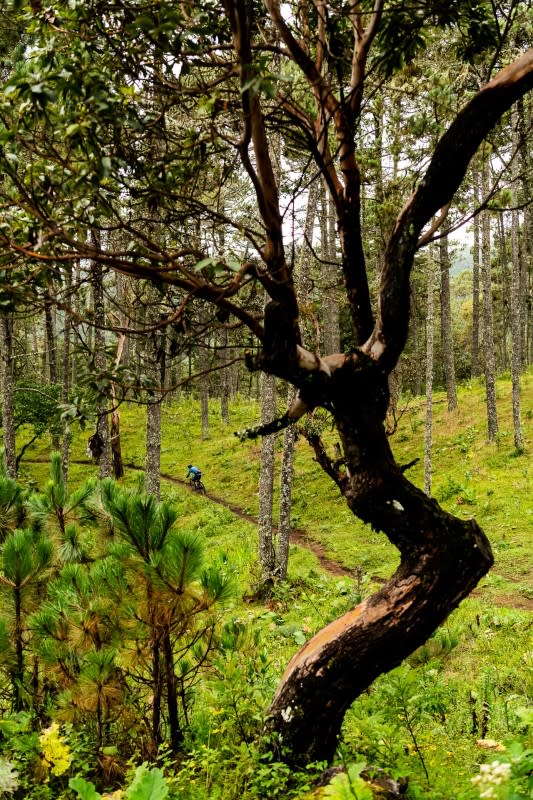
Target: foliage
{"points": [[148, 784]]}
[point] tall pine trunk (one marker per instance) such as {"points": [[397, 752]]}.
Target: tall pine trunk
{"points": [[102, 425], [267, 556], [475, 369], [153, 406], [430, 321], [446, 334], [65, 383], [488, 335], [516, 304], [8, 418], [51, 348]]}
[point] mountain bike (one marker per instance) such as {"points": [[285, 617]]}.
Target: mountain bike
{"points": [[197, 486]]}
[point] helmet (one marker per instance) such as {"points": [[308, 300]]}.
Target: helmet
{"points": [[189, 466]]}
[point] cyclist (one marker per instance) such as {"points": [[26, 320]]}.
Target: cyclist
{"points": [[194, 473]]}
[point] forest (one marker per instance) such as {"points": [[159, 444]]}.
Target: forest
{"points": [[289, 244]]}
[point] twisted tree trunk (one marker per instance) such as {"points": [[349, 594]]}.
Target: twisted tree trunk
{"points": [[442, 559]]}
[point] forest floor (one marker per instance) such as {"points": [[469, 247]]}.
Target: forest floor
{"points": [[301, 538], [297, 536]]}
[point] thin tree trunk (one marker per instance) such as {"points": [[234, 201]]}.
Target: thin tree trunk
{"points": [[416, 327], [8, 418], [116, 448], [102, 427], [331, 273], [225, 377], [51, 350], [428, 430], [203, 368], [475, 364], [153, 407], [65, 385], [267, 559], [525, 118], [176, 734], [306, 258], [516, 305], [488, 336], [285, 497], [503, 336], [51, 347], [446, 334], [18, 672]]}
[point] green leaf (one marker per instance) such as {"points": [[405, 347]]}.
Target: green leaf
{"points": [[147, 785], [85, 789], [349, 785]]}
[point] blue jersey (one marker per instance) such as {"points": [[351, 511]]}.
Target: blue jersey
{"points": [[194, 471]]}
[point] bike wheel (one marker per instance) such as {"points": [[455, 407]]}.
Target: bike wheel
{"points": [[200, 487]]}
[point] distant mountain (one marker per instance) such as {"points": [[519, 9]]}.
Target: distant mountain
{"points": [[461, 256]]}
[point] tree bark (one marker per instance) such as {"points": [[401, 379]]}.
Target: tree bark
{"points": [[8, 418], [51, 349], [428, 430], [267, 556], [488, 334], [225, 377], [331, 271], [446, 334], [525, 118], [442, 559], [153, 406], [102, 426], [203, 368], [475, 369], [285, 498], [516, 303], [65, 383]]}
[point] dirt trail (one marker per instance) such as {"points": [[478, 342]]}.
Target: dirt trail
{"points": [[302, 539], [298, 536]]}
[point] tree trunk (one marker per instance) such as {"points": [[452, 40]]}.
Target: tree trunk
{"points": [[442, 559], [267, 558], [475, 368], [416, 327], [65, 384], [525, 118], [152, 475], [102, 427], [203, 368], [225, 382], [505, 284], [446, 337], [332, 337], [18, 671], [428, 431], [285, 498], [488, 335], [8, 419], [51, 349], [516, 304], [176, 734]]}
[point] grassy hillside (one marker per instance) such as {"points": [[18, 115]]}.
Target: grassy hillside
{"points": [[461, 699], [493, 483]]}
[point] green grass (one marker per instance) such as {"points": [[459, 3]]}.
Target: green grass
{"points": [[470, 478], [481, 655]]}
